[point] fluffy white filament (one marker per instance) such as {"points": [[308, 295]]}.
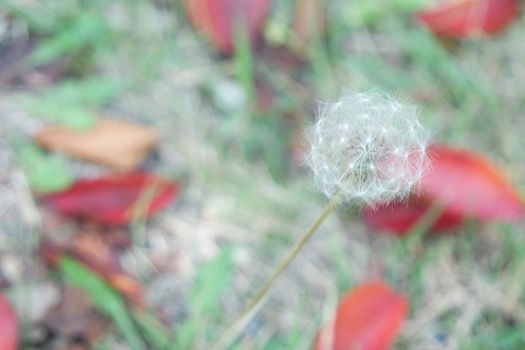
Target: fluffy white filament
{"points": [[368, 146]]}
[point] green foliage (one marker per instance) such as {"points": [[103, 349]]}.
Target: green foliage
{"points": [[73, 102], [363, 12], [84, 31], [265, 139], [243, 65], [105, 298], [503, 335], [73, 33], [212, 279], [152, 329], [43, 20], [45, 172], [424, 49]]}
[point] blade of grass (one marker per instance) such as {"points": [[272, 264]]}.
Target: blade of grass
{"points": [[105, 298], [421, 227], [243, 61], [152, 329], [212, 279]]}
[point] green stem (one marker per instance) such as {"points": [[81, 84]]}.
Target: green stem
{"points": [[229, 335]]}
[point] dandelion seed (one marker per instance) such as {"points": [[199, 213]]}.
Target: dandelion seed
{"points": [[381, 151]]}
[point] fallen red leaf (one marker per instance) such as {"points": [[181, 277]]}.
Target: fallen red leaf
{"points": [[467, 18], [218, 19], [8, 325], [114, 200], [464, 183], [368, 318], [400, 217]]}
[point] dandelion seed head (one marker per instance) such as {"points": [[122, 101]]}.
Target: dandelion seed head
{"points": [[375, 149]]}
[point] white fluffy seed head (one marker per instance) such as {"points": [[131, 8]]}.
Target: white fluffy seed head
{"points": [[367, 146]]}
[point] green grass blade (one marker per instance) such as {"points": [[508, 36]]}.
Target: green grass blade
{"points": [[105, 298]]}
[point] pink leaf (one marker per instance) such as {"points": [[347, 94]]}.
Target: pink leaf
{"points": [[8, 326], [367, 318], [218, 19], [467, 18], [466, 184]]}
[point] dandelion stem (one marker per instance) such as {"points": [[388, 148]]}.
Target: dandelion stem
{"points": [[238, 324]]}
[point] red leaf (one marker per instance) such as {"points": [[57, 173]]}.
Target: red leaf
{"points": [[400, 217], [114, 200], [466, 184], [218, 19], [8, 325], [368, 318], [467, 18]]}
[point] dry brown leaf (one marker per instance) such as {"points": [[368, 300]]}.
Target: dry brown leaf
{"points": [[70, 316], [74, 321], [118, 144]]}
